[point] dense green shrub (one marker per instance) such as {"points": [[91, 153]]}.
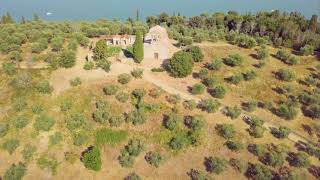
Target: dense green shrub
{"points": [[307, 50], [185, 41], [56, 138], [9, 68], [4, 128], [235, 79], [91, 158], [75, 82], [124, 78], [198, 89], [136, 117], [111, 137], [105, 65], [234, 146], [57, 43], [219, 91], [154, 158], [195, 52], [211, 81], [246, 41], [15, 172], [198, 175], [215, 165], [110, 89], [281, 133], [257, 131], [80, 138], [209, 105], [44, 87], [233, 60], [122, 97], [19, 104], [274, 159], [250, 75], [250, 106], [178, 142], [11, 145], [258, 171], [233, 112], [189, 104], [20, 121], [181, 64], [238, 165], [286, 75], [227, 131], [262, 53], [43, 123], [137, 73], [101, 115], [116, 121], [88, 65], [172, 121], [22, 81], [67, 59], [286, 57], [134, 147], [126, 160], [203, 73], [215, 64], [15, 56], [300, 159], [28, 152], [195, 122], [287, 112], [138, 93]]}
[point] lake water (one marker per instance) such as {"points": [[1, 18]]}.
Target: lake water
{"points": [[122, 9]]}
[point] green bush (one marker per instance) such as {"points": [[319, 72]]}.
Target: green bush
{"points": [[101, 115], [238, 165], [198, 175], [300, 160], [189, 104], [249, 75], [211, 81], [157, 70], [258, 171], [122, 97], [80, 138], [11, 145], [281, 133], [9, 68], [209, 105], [91, 158], [15, 56], [37, 109], [55, 139], [20, 121], [126, 160], [233, 60], [75, 82], [234, 146], [172, 121], [67, 59], [195, 52], [215, 64], [105, 65], [286, 57], [185, 41], [124, 78], [215, 165], [43, 123], [235, 79], [15, 172], [203, 73], [178, 142], [287, 112], [181, 64], [44, 87], [20, 104], [250, 106], [155, 92], [198, 89], [257, 131], [196, 122], [134, 147], [226, 131], [154, 158], [246, 41], [75, 121], [138, 93], [111, 137], [233, 112], [136, 117], [137, 73], [88, 65], [49, 163], [110, 89], [116, 121], [262, 53], [4, 128], [274, 159], [307, 50], [71, 157], [28, 152], [286, 75], [219, 91]]}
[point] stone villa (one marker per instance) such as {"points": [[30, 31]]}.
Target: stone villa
{"points": [[120, 40]]}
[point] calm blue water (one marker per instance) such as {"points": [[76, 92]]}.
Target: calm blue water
{"points": [[122, 9]]}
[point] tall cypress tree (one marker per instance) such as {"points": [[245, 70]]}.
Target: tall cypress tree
{"points": [[138, 51]]}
